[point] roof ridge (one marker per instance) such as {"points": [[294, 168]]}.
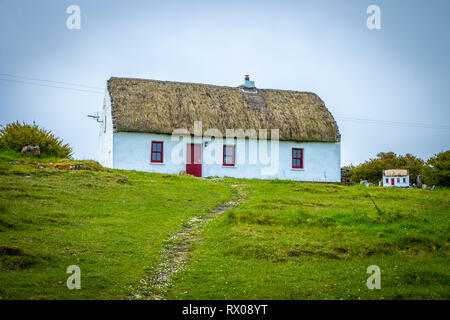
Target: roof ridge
{"points": [[210, 85]]}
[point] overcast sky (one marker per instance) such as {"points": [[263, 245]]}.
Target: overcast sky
{"points": [[397, 74]]}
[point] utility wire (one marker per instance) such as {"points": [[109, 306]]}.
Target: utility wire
{"points": [[393, 123], [97, 91], [52, 81], [51, 86]]}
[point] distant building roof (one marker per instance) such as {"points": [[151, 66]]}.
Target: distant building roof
{"points": [[396, 173]]}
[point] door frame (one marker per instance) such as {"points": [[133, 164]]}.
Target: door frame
{"points": [[195, 169]]}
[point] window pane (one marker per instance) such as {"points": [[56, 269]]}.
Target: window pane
{"points": [[296, 153], [157, 146]]}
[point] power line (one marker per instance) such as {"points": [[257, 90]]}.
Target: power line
{"points": [[50, 86], [52, 81], [97, 91], [393, 123]]}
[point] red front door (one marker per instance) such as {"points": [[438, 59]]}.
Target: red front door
{"points": [[392, 181], [194, 159]]}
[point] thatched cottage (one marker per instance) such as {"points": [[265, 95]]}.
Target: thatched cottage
{"points": [[207, 130], [396, 178]]}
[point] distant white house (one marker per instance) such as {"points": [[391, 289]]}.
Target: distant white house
{"points": [[173, 127], [396, 178]]}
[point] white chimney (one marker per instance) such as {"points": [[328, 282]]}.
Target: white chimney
{"points": [[248, 83]]}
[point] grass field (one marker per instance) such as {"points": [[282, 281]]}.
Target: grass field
{"points": [[287, 240], [112, 227], [293, 240]]}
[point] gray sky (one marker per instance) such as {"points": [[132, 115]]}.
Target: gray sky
{"points": [[397, 74]]}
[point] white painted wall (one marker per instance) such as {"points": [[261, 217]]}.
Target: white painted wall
{"points": [[398, 182], [131, 151], [106, 134]]}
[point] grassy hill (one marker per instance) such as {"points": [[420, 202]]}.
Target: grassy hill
{"points": [[111, 224], [286, 240]]}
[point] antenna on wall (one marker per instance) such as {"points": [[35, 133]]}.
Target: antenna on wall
{"points": [[95, 116]]}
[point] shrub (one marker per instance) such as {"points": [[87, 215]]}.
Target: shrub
{"points": [[14, 136], [372, 170], [437, 170]]}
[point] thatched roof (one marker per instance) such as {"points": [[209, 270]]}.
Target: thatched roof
{"points": [[161, 106], [396, 173]]}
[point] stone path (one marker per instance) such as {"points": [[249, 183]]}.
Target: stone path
{"points": [[175, 256]]}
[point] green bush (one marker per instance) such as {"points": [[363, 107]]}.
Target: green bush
{"points": [[437, 170], [372, 170], [14, 136]]}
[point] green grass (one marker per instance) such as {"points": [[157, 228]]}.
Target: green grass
{"points": [[288, 240], [293, 240], [112, 227]]}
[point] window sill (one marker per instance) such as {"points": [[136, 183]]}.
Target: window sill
{"points": [[231, 167], [157, 163], [298, 169]]}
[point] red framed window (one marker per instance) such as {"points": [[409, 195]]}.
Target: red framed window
{"points": [[228, 155], [157, 152], [387, 180], [404, 180], [297, 158]]}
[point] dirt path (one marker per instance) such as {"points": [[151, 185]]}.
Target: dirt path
{"points": [[175, 256]]}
